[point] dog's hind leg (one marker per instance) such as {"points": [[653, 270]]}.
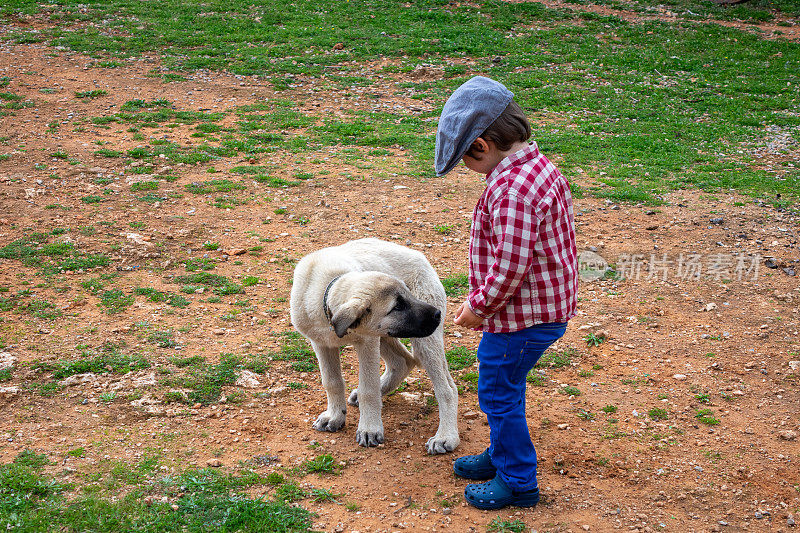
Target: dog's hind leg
{"points": [[330, 367], [430, 352], [399, 363]]}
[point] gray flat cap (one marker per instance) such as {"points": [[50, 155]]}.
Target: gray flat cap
{"points": [[467, 113]]}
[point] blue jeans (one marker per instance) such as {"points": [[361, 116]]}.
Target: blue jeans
{"points": [[505, 360]]}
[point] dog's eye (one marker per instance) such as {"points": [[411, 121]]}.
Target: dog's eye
{"points": [[400, 305]]}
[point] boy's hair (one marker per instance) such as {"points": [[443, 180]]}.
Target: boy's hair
{"points": [[511, 126]]}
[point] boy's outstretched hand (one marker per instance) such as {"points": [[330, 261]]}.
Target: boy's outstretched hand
{"points": [[466, 318]]}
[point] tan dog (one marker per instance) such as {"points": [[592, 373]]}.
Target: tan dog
{"points": [[367, 293]]}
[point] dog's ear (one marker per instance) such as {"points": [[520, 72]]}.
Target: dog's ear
{"points": [[349, 315]]}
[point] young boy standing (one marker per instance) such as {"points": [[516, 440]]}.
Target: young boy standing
{"points": [[522, 276]]}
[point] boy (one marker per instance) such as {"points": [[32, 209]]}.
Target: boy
{"points": [[522, 276]]}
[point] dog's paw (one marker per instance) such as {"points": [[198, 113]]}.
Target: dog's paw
{"points": [[369, 438], [442, 444], [326, 422], [353, 398]]}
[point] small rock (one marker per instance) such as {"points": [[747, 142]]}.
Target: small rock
{"points": [[790, 522], [794, 366], [7, 392], [787, 434], [7, 360], [338, 46], [470, 415], [248, 380], [679, 377], [214, 463], [563, 426], [147, 380], [717, 221], [770, 263], [447, 511], [710, 306], [412, 397], [218, 331], [789, 271], [278, 391], [77, 379]]}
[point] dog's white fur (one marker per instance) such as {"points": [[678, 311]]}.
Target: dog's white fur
{"points": [[366, 267]]}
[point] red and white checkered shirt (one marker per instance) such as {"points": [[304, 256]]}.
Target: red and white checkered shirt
{"points": [[523, 267]]}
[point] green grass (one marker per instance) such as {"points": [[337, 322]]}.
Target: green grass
{"points": [[658, 413], [500, 525], [95, 93], [34, 250], [323, 464], [296, 349], [706, 416], [109, 359], [200, 500], [456, 286], [553, 359], [205, 381], [154, 295], [643, 108], [460, 358]]}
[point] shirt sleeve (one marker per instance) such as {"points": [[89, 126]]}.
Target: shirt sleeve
{"points": [[514, 226]]}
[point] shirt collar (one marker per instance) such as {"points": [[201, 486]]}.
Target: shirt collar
{"points": [[517, 158]]}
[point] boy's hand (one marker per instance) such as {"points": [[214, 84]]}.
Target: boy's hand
{"points": [[466, 318]]}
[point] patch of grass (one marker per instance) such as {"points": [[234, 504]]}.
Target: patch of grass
{"points": [[569, 390], [116, 301], [323, 464], [207, 382], [537, 378], [108, 360], [296, 349], [593, 340], [324, 495], [163, 339], [456, 286], [93, 199], [94, 93], [500, 525], [194, 501], [658, 413], [199, 263], [212, 186], [144, 186], [222, 285], [554, 359], [706, 416], [460, 358], [41, 309], [610, 409], [154, 295]]}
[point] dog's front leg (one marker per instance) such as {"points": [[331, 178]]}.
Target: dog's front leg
{"points": [[370, 425], [331, 369], [431, 352]]}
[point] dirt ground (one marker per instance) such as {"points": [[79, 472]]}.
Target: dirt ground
{"points": [[675, 343]]}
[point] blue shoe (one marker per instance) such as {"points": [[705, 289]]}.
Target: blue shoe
{"points": [[475, 466], [495, 494]]}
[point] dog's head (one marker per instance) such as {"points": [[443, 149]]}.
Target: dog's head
{"points": [[374, 303]]}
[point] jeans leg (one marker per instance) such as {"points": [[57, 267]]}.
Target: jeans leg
{"points": [[505, 360]]}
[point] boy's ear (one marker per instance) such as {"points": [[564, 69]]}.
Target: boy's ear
{"points": [[479, 146]]}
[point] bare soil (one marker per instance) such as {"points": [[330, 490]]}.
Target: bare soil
{"points": [[672, 342]]}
